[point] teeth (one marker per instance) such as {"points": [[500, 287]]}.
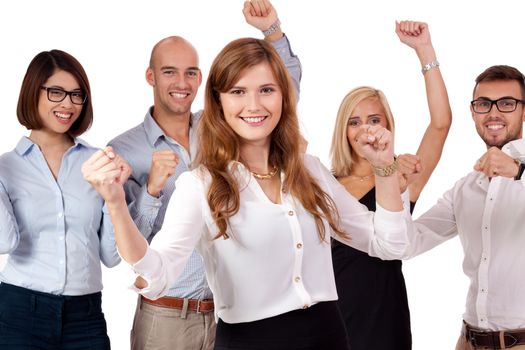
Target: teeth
{"points": [[253, 119], [64, 116], [495, 127], [178, 95]]}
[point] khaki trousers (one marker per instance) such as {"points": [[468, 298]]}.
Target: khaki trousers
{"points": [[160, 328]]}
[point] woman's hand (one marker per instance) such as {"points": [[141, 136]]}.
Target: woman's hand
{"points": [[376, 145], [107, 172]]}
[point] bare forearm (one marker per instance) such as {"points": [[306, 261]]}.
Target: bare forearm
{"points": [[131, 244], [437, 97], [388, 194]]}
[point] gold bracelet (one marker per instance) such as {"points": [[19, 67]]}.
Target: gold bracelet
{"points": [[386, 171]]}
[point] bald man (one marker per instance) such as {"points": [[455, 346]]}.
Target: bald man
{"points": [[159, 150]]}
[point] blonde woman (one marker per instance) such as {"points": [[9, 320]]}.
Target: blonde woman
{"points": [[372, 292]]}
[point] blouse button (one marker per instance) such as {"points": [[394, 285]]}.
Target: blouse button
{"points": [[290, 213], [299, 245], [297, 279]]}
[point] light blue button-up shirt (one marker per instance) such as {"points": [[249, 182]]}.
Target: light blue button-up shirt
{"points": [[55, 231], [137, 146]]}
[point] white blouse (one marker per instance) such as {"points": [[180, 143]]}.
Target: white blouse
{"points": [[274, 260]]}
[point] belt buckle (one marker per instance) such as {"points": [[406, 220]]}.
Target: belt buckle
{"points": [[514, 340], [472, 337], [198, 311]]}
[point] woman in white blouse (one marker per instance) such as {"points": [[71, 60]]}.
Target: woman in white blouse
{"points": [[260, 212]]}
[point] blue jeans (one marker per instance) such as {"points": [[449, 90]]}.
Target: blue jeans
{"points": [[36, 320]]}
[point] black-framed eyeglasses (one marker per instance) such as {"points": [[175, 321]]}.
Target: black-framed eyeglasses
{"points": [[504, 104], [58, 95]]}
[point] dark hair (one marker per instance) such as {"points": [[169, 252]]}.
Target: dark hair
{"points": [[502, 72], [43, 66]]}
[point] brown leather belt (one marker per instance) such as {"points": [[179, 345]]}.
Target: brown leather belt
{"points": [[178, 303], [493, 340]]}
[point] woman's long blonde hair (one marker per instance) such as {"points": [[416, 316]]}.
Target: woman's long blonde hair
{"points": [[219, 144], [341, 150]]}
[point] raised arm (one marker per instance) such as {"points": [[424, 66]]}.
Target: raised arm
{"points": [[376, 145], [417, 36], [108, 178], [162, 264], [381, 234], [108, 248], [261, 15]]}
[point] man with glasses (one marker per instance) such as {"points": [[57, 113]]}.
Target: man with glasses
{"points": [[486, 209], [159, 150]]}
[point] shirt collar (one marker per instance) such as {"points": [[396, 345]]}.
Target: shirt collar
{"points": [[25, 145], [153, 130]]}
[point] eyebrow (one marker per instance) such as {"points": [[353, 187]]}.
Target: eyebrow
{"points": [[175, 68], [61, 88], [499, 98], [368, 116], [260, 86]]}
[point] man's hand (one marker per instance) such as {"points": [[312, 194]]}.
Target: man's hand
{"points": [[259, 14], [408, 168], [163, 165], [496, 163]]}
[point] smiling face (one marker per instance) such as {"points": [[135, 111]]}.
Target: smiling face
{"points": [[369, 111], [175, 77], [253, 106], [57, 117], [497, 128]]}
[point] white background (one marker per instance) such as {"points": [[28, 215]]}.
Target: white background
{"points": [[341, 44]]}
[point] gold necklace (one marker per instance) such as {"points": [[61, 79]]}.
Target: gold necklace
{"points": [[265, 176], [362, 178]]}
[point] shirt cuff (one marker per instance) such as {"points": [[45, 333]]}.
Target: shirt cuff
{"points": [[282, 46], [387, 220], [391, 227], [147, 268], [147, 199]]}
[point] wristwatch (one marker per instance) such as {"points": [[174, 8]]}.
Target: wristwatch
{"points": [[521, 169], [386, 171], [273, 28]]}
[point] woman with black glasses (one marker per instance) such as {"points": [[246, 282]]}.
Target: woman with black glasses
{"points": [[52, 223]]}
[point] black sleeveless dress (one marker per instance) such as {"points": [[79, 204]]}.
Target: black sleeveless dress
{"points": [[372, 296]]}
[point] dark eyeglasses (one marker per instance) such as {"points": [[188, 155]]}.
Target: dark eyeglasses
{"points": [[58, 95], [504, 104]]}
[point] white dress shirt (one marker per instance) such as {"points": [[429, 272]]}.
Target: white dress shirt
{"points": [[274, 260], [489, 217]]}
